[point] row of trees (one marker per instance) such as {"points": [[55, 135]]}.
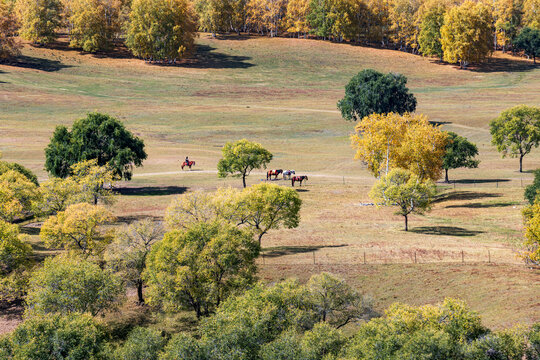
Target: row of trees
{"points": [[458, 32]]}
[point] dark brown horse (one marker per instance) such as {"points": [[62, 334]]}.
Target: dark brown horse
{"points": [[298, 179], [188, 164], [274, 173]]}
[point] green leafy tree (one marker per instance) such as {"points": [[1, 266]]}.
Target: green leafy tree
{"points": [[39, 19], [531, 243], [54, 336], [72, 285], [14, 260], [215, 15], [200, 267], [241, 157], [528, 40], [531, 191], [286, 346], [371, 92], [95, 182], [57, 194], [141, 344], [161, 29], [264, 207], [129, 250], [97, 136], [182, 347], [322, 342], [516, 131], [460, 152], [429, 37], [403, 189], [78, 228]]}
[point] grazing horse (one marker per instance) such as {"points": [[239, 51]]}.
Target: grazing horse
{"points": [[271, 173], [188, 164], [287, 174], [299, 179]]}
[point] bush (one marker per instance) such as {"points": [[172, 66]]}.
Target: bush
{"points": [[182, 347], [141, 344]]}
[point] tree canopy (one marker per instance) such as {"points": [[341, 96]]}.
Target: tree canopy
{"points": [[371, 92], [460, 152], [528, 40], [241, 157], [72, 285], [531, 243], [406, 191], [39, 19], [516, 131], [14, 262], [161, 29], [97, 136], [9, 45], [18, 196], [199, 267]]}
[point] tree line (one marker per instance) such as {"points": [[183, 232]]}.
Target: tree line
{"points": [[453, 30]]}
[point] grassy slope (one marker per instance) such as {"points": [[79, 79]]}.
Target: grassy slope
{"points": [[282, 93]]}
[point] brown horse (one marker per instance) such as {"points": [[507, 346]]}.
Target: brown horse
{"points": [[188, 164], [271, 173], [298, 179]]}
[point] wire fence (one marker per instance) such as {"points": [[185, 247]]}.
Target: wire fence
{"points": [[344, 256]]}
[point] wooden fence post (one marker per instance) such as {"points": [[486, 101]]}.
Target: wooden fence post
{"points": [[462, 257]]}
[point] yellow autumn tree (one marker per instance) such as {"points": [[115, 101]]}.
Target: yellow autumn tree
{"points": [[466, 35], [94, 23], [531, 244], [405, 29], [266, 16], [296, 19], [39, 19], [215, 15], [18, 195], [507, 15], [9, 46], [531, 14], [386, 141]]}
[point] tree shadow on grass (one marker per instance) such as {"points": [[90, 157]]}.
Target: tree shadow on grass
{"points": [[291, 250], [445, 230], [464, 195], [485, 206], [206, 58], [479, 181], [494, 65], [302, 190], [28, 62], [152, 190]]}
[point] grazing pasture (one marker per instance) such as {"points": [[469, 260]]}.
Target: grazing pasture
{"points": [[282, 93]]}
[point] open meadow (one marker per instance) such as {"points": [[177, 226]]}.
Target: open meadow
{"points": [[282, 93]]}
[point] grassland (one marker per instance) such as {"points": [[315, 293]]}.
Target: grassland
{"points": [[282, 93]]}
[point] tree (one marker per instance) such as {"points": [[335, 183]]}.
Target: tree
{"points": [[429, 38], [460, 152], [141, 344], [409, 142], [78, 228], [94, 23], [57, 194], [297, 17], [97, 136], [531, 243], [74, 337], [335, 302], [371, 92], [161, 29], [182, 347], [72, 285], [92, 180], [39, 19], [241, 157], [516, 131], [129, 250], [200, 267], [531, 191], [14, 260], [405, 190], [466, 34], [29, 175], [214, 15], [531, 15], [18, 195], [528, 40], [322, 342], [267, 206], [9, 46]]}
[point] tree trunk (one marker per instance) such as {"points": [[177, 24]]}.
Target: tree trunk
{"points": [[406, 223], [140, 292], [521, 163], [244, 180], [446, 176]]}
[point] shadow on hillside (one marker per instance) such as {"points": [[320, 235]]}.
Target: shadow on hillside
{"points": [[206, 58], [444, 230], [302, 190], [152, 190], [28, 62], [494, 65], [291, 250], [484, 206], [464, 195], [30, 230], [233, 37], [479, 181]]}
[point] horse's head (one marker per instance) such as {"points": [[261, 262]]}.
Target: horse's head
{"points": [[280, 171], [305, 177], [292, 171]]}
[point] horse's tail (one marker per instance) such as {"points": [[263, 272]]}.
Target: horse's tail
{"points": [[183, 164]]}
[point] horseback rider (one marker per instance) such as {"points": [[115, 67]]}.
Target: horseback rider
{"points": [[187, 160]]}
